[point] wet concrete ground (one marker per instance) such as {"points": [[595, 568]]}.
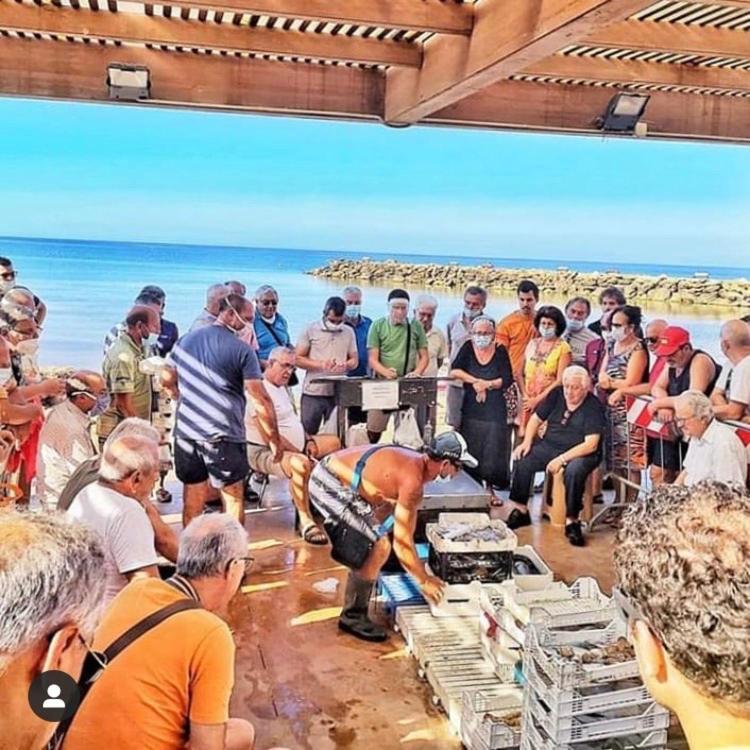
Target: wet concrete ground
{"points": [[306, 686]]}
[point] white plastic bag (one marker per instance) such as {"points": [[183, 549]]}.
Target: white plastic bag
{"points": [[407, 430], [357, 435]]}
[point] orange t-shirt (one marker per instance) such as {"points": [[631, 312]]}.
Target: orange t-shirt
{"points": [[180, 671], [514, 333]]}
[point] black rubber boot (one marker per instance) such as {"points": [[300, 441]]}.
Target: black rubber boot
{"points": [[354, 619]]}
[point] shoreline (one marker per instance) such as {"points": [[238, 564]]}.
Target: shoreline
{"points": [[562, 282]]}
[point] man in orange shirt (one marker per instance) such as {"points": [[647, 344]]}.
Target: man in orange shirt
{"points": [[516, 330], [170, 687]]}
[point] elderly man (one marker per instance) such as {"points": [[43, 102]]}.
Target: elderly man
{"points": [[398, 348], [144, 299], [731, 394], [360, 324], [210, 372], [363, 493], [325, 347], [116, 506], [682, 561], [247, 334], [577, 335], [300, 450], [51, 585], [437, 346], [129, 389], [65, 438], [714, 450], [571, 444], [458, 332], [214, 294], [170, 687], [271, 328]]}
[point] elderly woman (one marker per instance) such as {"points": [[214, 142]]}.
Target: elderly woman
{"points": [[545, 360], [484, 368], [271, 328], [571, 444]]}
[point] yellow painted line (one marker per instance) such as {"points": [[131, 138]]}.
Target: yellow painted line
{"points": [[316, 615], [420, 735], [265, 544], [253, 588], [325, 570], [398, 654]]}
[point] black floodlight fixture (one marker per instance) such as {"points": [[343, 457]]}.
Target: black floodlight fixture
{"points": [[623, 113]]}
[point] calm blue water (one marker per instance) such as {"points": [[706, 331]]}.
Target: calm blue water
{"points": [[88, 286]]}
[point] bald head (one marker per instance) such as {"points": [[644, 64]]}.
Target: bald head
{"points": [[141, 321], [214, 294], [735, 340], [653, 331]]}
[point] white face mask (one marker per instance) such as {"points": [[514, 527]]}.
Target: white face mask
{"points": [[29, 347], [470, 313], [353, 311], [574, 324], [547, 333], [332, 326], [618, 334], [482, 340], [6, 286]]}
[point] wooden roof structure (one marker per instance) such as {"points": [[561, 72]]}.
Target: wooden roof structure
{"points": [[548, 65]]}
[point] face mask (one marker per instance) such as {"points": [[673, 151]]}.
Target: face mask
{"points": [[150, 339], [440, 479], [6, 286], [547, 333], [332, 326], [29, 347], [353, 311], [574, 325], [482, 341], [398, 314], [101, 405], [470, 313], [6, 373], [618, 334]]}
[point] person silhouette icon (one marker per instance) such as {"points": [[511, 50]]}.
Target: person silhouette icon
{"points": [[54, 700]]}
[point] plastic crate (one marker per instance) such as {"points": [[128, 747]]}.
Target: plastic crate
{"points": [[477, 560], [482, 726], [583, 700], [565, 674], [602, 725], [534, 738], [506, 662], [533, 582]]}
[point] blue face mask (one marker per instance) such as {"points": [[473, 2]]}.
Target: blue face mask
{"points": [[353, 311], [547, 333], [574, 324]]}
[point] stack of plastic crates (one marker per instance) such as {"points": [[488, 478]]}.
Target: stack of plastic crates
{"points": [[580, 704], [491, 720]]}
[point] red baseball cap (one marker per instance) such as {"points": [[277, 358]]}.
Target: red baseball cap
{"points": [[671, 339]]}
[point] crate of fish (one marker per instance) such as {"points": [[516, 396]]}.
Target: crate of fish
{"points": [[491, 720], [534, 738], [601, 725], [467, 547], [530, 571], [588, 699]]}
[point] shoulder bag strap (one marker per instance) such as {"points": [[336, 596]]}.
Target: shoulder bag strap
{"points": [[273, 332], [408, 347]]}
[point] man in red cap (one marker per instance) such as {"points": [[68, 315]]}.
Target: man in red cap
{"points": [[687, 369]]}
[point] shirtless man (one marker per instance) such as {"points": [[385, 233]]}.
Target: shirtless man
{"points": [[363, 493]]}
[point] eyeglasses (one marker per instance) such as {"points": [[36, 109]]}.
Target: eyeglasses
{"points": [[652, 339], [8, 275], [269, 302], [247, 562]]}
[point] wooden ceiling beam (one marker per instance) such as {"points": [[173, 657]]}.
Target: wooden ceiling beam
{"points": [[508, 36], [436, 16], [632, 71], [130, 27], [65, 70], [568, 108], [668, 37]]}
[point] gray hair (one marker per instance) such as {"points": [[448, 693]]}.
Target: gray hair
{"points": [[127, 454], [207, 545], [483, 319], [51, 575], [265, 289], [135, 427], [427, 300], [576, 372], [351, 290], [278, 351], [698, 403], [216, 291]]}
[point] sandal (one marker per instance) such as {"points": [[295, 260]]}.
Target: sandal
{"points": [[313, 534]]}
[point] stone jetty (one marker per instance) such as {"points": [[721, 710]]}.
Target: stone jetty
{"points": [[563, 282]]}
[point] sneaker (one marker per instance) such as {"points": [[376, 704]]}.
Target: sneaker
{"points": [[574, 534], [517, 520]]}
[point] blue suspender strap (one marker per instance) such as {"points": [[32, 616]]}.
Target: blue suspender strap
{"points": [[387, 524]]}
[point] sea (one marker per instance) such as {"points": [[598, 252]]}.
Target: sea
{"points": [[89, 285]]}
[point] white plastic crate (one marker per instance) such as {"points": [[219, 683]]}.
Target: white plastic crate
{"points": [[583, 700], [482, 726], [506, 662], [439, 544], [533, 738], [533, 582]]}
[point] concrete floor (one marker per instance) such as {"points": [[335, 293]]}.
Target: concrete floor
{"points": [[304, 685]]}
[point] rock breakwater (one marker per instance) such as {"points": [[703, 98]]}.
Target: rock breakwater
{"points": [[695, 290]]}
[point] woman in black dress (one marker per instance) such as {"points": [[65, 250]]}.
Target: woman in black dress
{"points": [[485, 369]]}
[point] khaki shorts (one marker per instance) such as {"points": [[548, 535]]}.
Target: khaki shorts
{"points": [[377, 419], [260, 458]]}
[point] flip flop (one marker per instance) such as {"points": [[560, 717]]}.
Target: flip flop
{"points": [[313, 534]]}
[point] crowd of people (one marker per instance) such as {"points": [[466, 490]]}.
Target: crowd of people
{"points": [[540, 391]]}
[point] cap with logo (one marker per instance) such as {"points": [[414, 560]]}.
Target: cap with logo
{"points": [[451, 445], [671, 339]]}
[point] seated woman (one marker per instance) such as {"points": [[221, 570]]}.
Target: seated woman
{"points": [[484, 368], [571, 444], [545, 360]]}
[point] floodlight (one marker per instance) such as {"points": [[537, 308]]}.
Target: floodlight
{"points": [[128, 82], [623, 113]]}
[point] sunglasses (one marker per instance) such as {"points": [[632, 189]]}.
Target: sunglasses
{"points": [[8, 275], [652, 339], [269, 302], [246, 561]]}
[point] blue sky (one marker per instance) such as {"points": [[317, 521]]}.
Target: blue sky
{"points": [[127, 173]]}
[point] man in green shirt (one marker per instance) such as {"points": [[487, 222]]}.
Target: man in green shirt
{"points": [[129, 389], [397, 348]]}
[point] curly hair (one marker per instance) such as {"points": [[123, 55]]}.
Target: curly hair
{"points": [[683, 557]]}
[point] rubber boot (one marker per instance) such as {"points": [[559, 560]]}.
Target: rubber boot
{"points": [[354, 619]]}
